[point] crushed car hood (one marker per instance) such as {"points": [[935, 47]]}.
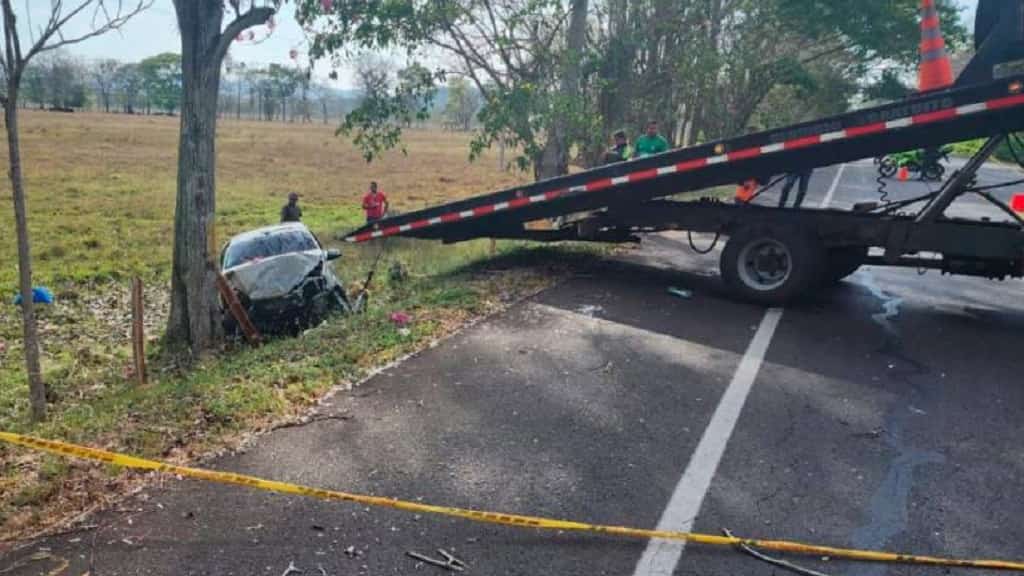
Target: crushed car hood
{"points": [[275, 277]]}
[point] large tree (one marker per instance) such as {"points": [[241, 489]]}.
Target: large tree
{"points": [[161, 78], [283, 83], [65, 80], [462, 105], [704, 67], [526, 58], [128, 85], [194, 320], [560, 75], [104, 75], [14, 60]]}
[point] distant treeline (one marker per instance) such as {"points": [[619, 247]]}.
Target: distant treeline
{"points": [[272, 92]]}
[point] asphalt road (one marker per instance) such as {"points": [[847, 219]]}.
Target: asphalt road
{"points": [[884, 414]]}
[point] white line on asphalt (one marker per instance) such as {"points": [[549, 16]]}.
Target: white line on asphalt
{"points": [[835, 184], [661, 556]]}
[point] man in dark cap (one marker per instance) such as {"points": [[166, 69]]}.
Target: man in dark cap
{"points": [[291, 211]]}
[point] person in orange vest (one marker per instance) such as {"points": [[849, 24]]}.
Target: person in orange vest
{"points": [[375, 203], [745, 192]]}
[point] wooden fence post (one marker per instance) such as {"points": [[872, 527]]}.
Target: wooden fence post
{"points": [[138, 332]]}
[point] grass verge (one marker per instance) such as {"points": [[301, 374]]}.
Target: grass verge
{"points": [[180, 415], [101, 191]]}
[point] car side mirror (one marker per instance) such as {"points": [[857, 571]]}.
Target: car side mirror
{"points": [[333, 254]]}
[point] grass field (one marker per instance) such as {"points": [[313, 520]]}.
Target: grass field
{"points": [[101, 200]]}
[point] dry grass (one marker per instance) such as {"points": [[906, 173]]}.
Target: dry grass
{"points": [[101, 198], [101, 187]]}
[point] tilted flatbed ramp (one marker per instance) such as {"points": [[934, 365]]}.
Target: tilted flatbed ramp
{"points": [[930, 119], [775, 255]]}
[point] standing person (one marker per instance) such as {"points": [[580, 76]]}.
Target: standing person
{"points": [[291, 212], [804, 178], [375, 203], [651, 142], [620, 151]]}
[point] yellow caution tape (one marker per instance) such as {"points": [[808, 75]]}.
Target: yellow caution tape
{"points": [[65, 449]]}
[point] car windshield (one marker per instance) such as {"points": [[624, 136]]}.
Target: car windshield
{"points": [[267, 245]]}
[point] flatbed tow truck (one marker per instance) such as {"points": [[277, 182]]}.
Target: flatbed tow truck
{"points": [[776, 255]]}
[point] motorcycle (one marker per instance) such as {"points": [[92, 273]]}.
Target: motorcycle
{"points": [[928, 165]]}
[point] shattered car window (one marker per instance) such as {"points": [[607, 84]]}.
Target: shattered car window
{"points": [[265, 246]]}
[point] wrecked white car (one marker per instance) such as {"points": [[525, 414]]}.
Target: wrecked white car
{"points": [[283, 278]]}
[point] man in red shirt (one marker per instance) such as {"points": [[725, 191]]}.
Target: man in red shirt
{"points": [[375, 203]]}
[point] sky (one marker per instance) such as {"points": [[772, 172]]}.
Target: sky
{"points": [[155, 31]]}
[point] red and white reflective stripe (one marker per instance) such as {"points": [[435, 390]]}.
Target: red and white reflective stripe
{"points": [[691, 165]]}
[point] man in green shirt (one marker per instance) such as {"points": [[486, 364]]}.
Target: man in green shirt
{"points": [[650, 143]]}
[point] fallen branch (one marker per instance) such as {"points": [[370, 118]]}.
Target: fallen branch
{"points": [[774, 561]]}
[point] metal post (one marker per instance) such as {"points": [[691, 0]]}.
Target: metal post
{"points": [[955, 187]]}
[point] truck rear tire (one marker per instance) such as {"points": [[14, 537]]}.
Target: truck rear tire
{"points": [[772, 265]]}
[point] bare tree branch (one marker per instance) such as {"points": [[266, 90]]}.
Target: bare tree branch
{"points": [[253, 17], [58, 20]]}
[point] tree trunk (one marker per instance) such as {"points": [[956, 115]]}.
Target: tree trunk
{"points": [[554, 160], [37, 388], [194, 314], [194, 322]]}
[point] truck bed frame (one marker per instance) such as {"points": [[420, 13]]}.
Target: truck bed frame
{"points": [[775, 255]]}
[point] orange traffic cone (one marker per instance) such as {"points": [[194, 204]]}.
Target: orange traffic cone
{"points": [[1017, 203], [904, 174], [936, 71]]}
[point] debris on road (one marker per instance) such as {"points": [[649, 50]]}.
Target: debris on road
{"points": [[449, 562], [590, 310], [351, 552], [681, 293], [774, 561]]}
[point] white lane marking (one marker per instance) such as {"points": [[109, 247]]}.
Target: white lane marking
{"points": [[835, 184], [661, 556]]}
